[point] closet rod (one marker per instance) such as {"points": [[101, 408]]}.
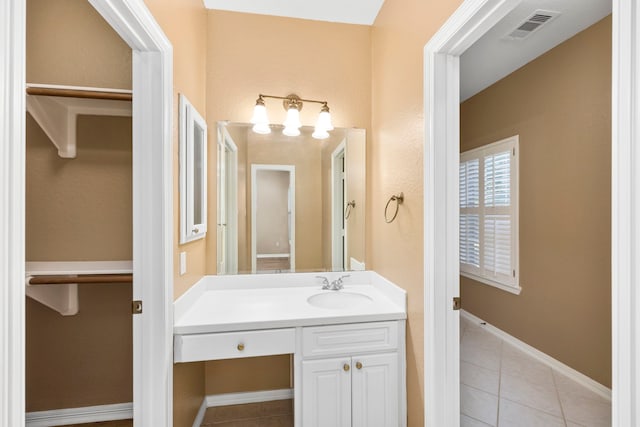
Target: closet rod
{"points": [[79, 93], [82, 278]]}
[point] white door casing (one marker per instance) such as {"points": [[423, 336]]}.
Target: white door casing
{"points": [[152, 208], [12, 214], [625, 213]]}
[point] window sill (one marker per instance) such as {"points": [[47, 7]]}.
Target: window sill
{"points": [[511, 289]]}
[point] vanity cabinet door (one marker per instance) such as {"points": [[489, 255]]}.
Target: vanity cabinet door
{"points": [[326, 393], [375, 385]]}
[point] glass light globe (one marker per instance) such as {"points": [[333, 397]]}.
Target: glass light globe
{"points": [[320, 133], [293, 119], [324, 121], [261, 128], [260, 115], [291, 131]]}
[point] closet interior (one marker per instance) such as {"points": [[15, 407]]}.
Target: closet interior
{"points": [[79, 350]]}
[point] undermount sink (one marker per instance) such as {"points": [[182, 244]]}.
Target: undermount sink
{"points": [[338, 299]]}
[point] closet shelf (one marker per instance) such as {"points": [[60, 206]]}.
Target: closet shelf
{"points": [[56, 109], [55, 284]]}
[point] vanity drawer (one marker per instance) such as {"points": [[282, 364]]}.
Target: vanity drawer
{"points": [[233, 345], [348, 339]]}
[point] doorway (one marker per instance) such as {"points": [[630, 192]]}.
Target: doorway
{"points": [[273, 218], [338, 214], [442, 54], [152, 182], [227, 226]]}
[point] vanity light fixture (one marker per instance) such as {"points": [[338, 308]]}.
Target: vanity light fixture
{"points": [[292, 105]]}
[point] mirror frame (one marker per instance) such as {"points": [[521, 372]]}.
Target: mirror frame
{"points": [[190, 122]]}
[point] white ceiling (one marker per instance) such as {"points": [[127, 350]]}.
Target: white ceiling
{"points": [[346, 11], [492, 58]]}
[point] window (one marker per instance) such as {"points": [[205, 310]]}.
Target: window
{"points": [[489, 214]]}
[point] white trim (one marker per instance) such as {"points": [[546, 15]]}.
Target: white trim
{"points": [[554, 364], [12, 212], [201, 413], [516, 290], [254, 201], [625, 213], [86, 88], [337, 213], [248, 397], [227, 208], [87, 414], [441, 206], [189, 120], [152, 207]]}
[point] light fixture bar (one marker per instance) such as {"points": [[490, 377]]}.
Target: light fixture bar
{"points": [[292, 97], [292, 104]]}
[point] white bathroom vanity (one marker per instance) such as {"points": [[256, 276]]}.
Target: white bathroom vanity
{"points": [[348, 345]]}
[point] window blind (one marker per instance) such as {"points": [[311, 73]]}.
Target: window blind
{"points": [[488, 213]]}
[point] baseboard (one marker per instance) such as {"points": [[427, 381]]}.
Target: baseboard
{"points": [[87, 414], [555, 364], [248, 397], [200, 417]]}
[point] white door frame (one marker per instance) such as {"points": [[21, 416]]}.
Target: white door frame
{"points": [[254, 202], [338, 239], [441, 324], [227, 202], [152, 208]]}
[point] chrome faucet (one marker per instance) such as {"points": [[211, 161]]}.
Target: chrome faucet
{"points": [[336, 285], [325, 282]]}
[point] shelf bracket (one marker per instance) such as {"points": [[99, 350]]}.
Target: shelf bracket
{"points": [[57, 116], [61, 298]]}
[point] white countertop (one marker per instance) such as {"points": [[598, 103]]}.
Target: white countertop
{"points": [[267, 301]]}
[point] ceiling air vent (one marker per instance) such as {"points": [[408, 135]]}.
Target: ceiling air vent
{"points": [[531, 24]]}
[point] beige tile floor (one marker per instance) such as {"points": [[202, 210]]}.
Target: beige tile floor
{"points": [[503, 387]]}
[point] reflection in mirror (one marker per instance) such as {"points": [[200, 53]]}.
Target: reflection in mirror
{"points": [[290, 203]]}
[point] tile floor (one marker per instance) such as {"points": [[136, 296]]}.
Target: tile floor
{"points": [[501, 386], [278, 413]]}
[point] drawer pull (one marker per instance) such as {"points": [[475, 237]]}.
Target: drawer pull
{"points": [[346, 367], [240, 347], [359, 365]]}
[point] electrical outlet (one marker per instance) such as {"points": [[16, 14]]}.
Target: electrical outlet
{"points": [[183, 263]]}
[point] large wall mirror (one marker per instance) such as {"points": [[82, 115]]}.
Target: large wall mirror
{"points": [[290, 203]]}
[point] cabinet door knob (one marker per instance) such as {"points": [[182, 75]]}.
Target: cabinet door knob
{"points": [[359, 365], [346, 367], [240, 347]]}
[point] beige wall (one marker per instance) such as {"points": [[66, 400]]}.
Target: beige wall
{"points": [[560, 105], [185, 24], [78, 209], [68, 43], [395, 163], [252, 54]]}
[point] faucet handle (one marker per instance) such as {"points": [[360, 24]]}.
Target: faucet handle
{"points": [[325, 281]]}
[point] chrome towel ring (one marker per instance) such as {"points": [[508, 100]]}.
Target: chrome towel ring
{"points": [[347, 211], [398, 199]]}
